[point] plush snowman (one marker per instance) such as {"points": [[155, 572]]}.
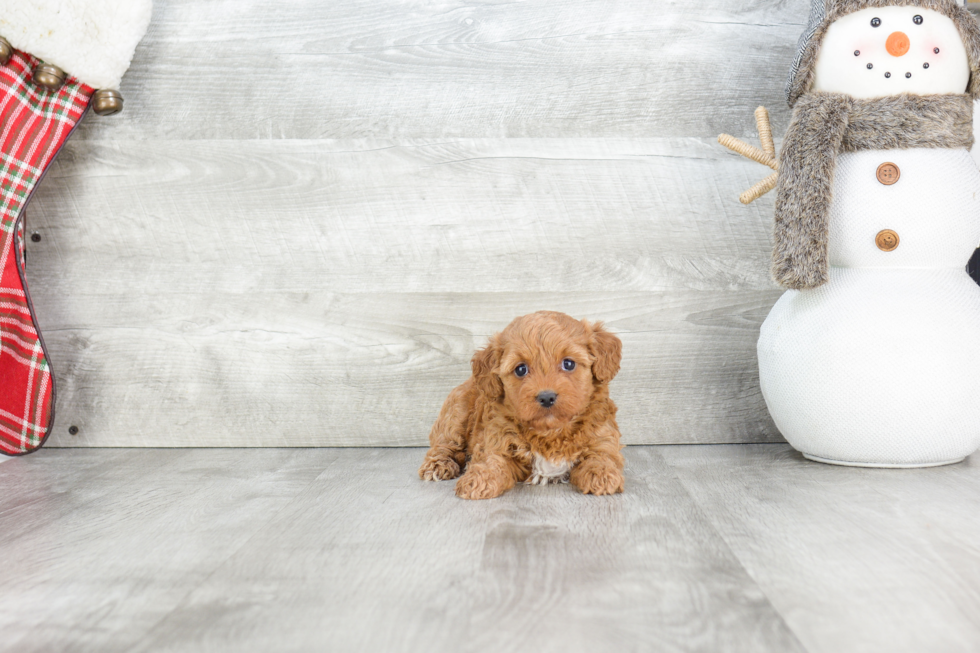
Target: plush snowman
{"points": [[872, 357]]}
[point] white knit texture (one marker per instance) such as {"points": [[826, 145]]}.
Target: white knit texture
{"points": [[975, 152], [92, 40], [878, 366], [934, 208]]}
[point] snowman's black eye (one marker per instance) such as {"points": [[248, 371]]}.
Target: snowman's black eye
{"points": [[857, 53], [520, 371], [917, 20], [875, 22], [925, 65], [936, 50], [907, 75]]}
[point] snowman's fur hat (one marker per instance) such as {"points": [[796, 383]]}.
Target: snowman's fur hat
{"points": [[824, 12]]}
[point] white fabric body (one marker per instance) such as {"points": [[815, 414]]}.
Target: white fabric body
{"points": [[879, 365], [975, 152], [92, 40], [838, 70], [934, 208]]}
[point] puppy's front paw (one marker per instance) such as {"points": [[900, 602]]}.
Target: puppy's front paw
{"points": [[479, 485], [597, 479], [438, 469]]}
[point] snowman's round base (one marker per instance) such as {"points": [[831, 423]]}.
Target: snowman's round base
{"points": [[848, 463]]}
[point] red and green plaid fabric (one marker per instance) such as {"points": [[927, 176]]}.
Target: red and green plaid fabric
{"points": [[34, 124]]}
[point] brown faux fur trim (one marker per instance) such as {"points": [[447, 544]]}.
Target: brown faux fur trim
{"points": [[961, 17], [806, 177], [825, 124], [899, 122]]}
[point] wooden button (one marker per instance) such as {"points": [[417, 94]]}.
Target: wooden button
{"points": [[887, 240], [888, 173]]}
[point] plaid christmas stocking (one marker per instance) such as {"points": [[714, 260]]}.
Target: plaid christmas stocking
{"points": [[40, 106], [34, 124]]}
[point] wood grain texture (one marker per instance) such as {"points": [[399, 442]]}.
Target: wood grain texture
{"points": [[502, 215], [369, 558], [99, 546], [353, 369], [303, 293], [310, 214], [854, 559], [711, 548], [260, 69]]}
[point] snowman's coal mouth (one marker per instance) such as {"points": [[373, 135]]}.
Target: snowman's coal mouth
{"points": [[908, 74]]}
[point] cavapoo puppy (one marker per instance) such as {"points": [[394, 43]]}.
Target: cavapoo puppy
{"points": [[536, 410]]}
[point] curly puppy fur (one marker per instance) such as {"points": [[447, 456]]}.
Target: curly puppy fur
{"points": [[494, 427], [826, 124]]}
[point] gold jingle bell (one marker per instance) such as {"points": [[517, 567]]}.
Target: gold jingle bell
{"points": [[107, 102], [49, 77], [5, 51]]}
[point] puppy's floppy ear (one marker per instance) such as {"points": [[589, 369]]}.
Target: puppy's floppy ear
{"points": [[607, 350], [485, 363]]}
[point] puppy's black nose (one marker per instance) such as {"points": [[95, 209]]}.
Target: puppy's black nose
{"points": [[547, 398]]}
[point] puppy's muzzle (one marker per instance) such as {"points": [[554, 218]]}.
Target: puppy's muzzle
{"points": [[547, 398]]}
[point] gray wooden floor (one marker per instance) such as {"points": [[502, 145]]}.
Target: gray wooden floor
{"points": [[711, 548]]}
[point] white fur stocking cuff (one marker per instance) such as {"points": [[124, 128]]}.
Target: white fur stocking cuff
{"points": [[92, 40]]}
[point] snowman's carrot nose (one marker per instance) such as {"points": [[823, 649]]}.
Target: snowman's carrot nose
{"points": [[897, 44]]}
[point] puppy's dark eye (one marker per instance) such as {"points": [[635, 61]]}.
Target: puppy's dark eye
{"points": [[917, 20], [875, 22], [568, 365], [521, 370]]}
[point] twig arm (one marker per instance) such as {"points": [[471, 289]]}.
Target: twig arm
{"points": [[748, 151], [765, 131], [766, 156], [759, 189]]}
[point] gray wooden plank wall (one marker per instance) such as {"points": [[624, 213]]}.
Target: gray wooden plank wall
{"points": [[311, 213]]}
